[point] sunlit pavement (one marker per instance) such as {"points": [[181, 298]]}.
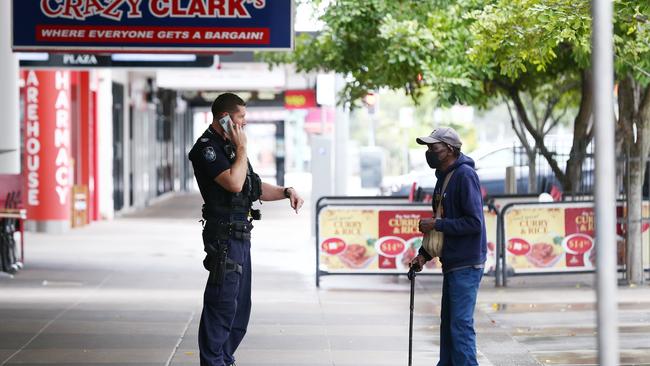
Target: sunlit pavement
{"points": [[128, 292]]}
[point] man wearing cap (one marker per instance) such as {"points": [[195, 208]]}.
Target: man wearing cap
{"points": [[464, 246]]}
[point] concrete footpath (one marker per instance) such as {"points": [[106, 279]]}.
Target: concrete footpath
{"points": [[128, 292]]}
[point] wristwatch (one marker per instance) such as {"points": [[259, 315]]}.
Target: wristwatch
{"points": [[287, 194]]}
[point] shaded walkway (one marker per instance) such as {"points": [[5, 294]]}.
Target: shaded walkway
{"points": [[128, 292]]}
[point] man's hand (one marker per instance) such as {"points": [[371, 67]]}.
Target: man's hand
{"points": [[233, 179], [418, 263], [427, 225], [295, 200], [237, 135]]}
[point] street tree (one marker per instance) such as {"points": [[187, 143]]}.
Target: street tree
{"points": [[632, 41], [443, 47], [530, 51], [534, 53], [555, 36]]}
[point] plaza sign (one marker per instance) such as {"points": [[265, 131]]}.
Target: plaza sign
{"points": [[119, 60], [170, 26]]}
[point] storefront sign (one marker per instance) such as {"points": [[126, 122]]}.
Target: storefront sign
{"points": [[47, 145], [300, 99], [153, 25]]}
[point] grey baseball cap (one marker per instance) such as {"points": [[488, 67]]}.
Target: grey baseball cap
{"points": [[442, 134]]}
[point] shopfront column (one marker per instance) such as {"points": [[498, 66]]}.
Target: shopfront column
{"points": [[48, 175]]}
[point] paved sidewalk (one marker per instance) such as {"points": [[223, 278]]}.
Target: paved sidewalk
{"points": [[128, 292]]}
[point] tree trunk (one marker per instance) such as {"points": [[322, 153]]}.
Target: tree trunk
{"points": [[582, 133], [634, 259], [635, 252], [630, 99], [532, 172], [573, 177]]}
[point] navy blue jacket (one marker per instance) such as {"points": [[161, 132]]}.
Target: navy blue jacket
{"points": [[462, 221]]}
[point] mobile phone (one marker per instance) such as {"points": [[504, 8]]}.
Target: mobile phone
{"points": [[225, 123]]}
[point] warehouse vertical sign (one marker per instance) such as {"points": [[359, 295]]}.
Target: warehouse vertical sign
{"points": [[47, 145], [170, 26]]}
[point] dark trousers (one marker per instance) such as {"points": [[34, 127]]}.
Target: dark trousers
{"points": [[226, 310], [457, 335]]}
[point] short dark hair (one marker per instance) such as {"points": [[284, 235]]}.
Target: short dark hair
{"points": [[226, 102]]}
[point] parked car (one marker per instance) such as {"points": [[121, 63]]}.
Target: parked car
{"points": [[491, 166], [491, 163]]}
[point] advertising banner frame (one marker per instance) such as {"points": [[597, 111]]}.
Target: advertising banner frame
{"points": [[357, 203], [500, 264], [502, 257], [384, 207]]}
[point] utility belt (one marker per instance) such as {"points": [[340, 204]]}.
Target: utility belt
{"points": [[224, 213], [239, 230]]}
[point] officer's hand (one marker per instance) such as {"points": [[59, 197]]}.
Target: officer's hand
{"points": [[426, 225], [295, 200], [237, 135], [418, 263]]}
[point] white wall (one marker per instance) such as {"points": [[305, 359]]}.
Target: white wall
{"points": [[230, 76], [295, 80], [105, 143], [10, 136]]}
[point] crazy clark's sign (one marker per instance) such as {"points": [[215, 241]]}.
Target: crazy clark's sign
{"points": [[152, 25]]}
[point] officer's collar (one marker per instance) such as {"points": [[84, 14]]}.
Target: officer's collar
{"points": [[212, 131], [214, 134]]}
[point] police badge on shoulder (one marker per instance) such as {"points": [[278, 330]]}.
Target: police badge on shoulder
{"points": [[209, 154]]}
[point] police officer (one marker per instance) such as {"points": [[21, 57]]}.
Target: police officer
{"points": [[228, 186]]}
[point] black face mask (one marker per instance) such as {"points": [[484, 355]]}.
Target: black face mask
{"points": [[433, 160]]}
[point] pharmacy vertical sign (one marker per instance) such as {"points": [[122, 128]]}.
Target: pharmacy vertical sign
{"points": [[48, 165], [166, 26]]}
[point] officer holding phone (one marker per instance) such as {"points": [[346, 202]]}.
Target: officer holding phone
{"points": [[228, 186]]}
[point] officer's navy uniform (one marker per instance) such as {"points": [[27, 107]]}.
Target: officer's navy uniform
{"points": [[226, 238]]}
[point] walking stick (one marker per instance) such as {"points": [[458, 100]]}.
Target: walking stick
{"points": [[411, 275]]}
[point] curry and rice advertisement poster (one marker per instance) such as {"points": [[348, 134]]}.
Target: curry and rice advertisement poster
{"points": [[353, 240], [554, 238]]}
